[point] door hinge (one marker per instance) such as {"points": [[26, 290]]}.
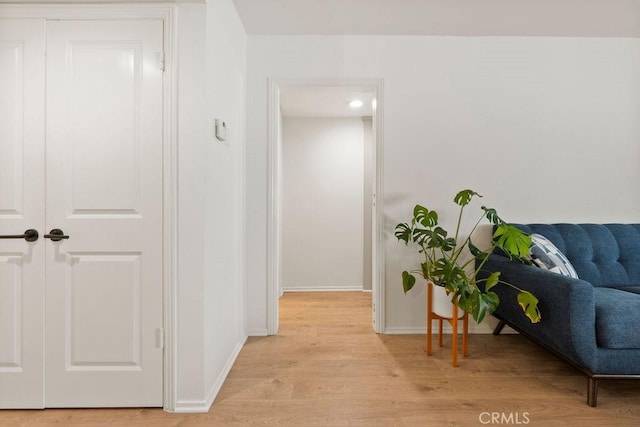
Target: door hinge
{"points": [[160, 338], [161, 60]]}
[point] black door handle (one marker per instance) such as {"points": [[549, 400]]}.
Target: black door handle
{"points": [[29, 235], [56, 235]]}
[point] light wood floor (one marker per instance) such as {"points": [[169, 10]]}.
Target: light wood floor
{"points": [[327, 368]]}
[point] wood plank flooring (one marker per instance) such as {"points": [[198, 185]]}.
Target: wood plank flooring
{"points": [[326, 367]]}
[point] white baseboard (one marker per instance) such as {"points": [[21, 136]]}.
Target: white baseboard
{"points": [[257, 333], [203, 406], [419, 330], [190, 407], [311, 289], [446, 329]]}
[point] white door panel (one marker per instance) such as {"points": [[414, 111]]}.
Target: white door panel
{"points": [[104, 190], [94, 166], [22, 71]]}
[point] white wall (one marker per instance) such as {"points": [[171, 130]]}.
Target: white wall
{"points": [[278, 208], [211, 318], [224, 232], [190, 209], [322, 209], [556, 119], [367, 204]]}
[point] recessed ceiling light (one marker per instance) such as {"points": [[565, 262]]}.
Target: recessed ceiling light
{"points": [[356, 103]]}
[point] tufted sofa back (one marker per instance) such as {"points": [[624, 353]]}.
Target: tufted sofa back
{"points": [[603, 254]]}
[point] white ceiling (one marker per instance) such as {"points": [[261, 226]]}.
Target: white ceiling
{"points": [[597, 18], [324, 102]]}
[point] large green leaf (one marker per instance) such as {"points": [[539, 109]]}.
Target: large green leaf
{"points": [[529, 304], [424, 216], [492, 215], [492, 280], [463, 295], [446, 272], [408, 281], [512, 240], [479, 304], [421, 235], [475, 251], [448, 244], [463, 198], [403, 232], [437, 238]]}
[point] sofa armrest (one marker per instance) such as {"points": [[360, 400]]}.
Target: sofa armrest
{"points": [[566, 305]]}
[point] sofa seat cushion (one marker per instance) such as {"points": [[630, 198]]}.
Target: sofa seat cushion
{"points": [[617, 318], [630, 288]]}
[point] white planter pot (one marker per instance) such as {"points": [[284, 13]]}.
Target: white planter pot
{"points": [[442, 305]]}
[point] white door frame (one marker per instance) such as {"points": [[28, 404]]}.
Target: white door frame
{"points": [[167, 13], [273, 194]]}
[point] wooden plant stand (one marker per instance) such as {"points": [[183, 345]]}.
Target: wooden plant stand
{"points": [[453, 320]]}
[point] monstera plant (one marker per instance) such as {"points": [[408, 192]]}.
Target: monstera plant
{"points": [[446, 263]]}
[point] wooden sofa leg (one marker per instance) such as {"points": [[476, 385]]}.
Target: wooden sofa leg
{"points": [[592, 392], [501, 324]]}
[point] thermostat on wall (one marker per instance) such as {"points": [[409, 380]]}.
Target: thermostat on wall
{"points": [[221, 130]]}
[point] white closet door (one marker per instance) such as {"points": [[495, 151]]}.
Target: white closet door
{"points": [[22, 71], [104, 191]]}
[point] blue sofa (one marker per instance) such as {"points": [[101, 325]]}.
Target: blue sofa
{"points": [[593, 322]]}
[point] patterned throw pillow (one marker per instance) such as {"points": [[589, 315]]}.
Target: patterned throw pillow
{"points": [[546, 255]]}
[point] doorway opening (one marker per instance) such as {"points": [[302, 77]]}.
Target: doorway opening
{"points": [[325, 174]]}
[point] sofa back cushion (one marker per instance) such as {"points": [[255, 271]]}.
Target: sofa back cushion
{"points": [[605, 255]]}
